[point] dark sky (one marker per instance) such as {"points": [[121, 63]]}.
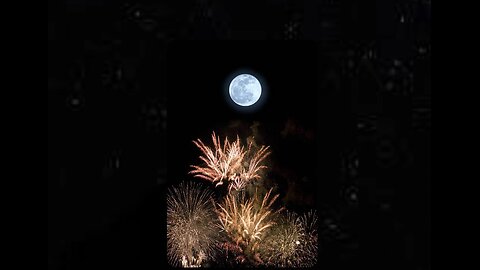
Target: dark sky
{"points": [[289, 72], [304, 122], [347, 115], [198, 103]]}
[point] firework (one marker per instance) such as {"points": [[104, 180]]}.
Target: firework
{"points": [[254, 166], [230, 162], [292, 242], [246, 220], [190, 218], [310, 247]]}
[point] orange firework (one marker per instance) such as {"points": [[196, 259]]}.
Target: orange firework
{"points": [[246, 220], [229, 162]]}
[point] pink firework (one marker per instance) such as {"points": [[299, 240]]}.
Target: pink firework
{"points": [[229, 162]]}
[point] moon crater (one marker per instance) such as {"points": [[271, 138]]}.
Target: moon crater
{"points": [[245, 90]]}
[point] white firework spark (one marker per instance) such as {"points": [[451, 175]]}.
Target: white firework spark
{"points": [[230, 162], [190, 217], [292, 242], [246, 220]]}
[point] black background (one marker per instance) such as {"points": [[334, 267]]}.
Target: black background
{"points": [[198, 102], [124, 92]]}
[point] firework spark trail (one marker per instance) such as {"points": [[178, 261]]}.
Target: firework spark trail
{"points": [[215, 170], [309, 221], [237, 183], [246, 220], [292, 242], [190, 217], [230, 162], [254, 165]]}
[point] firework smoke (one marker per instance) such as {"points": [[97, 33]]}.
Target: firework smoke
{"points": [[230, 162], [292, 242], [190, 219]]}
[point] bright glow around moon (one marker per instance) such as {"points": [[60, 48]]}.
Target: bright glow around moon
{"points": [[245, 90]]}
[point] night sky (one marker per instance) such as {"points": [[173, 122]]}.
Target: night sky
{"points": [[198, 103], [346, 113]]}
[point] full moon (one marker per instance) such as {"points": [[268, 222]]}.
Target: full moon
{"points": [[245, 90]]}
